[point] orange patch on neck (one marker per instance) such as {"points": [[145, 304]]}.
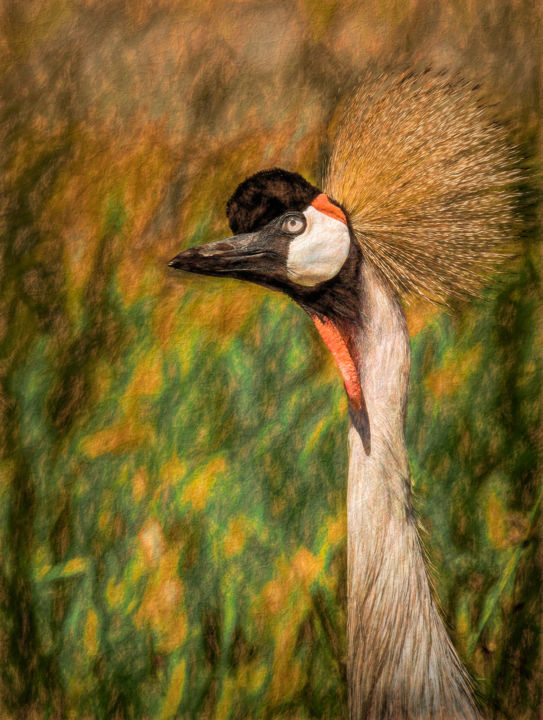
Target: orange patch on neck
{"points": [[323, 205], [335, 342]]}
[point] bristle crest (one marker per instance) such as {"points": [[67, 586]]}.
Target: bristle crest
{"points": [[427, 178]]}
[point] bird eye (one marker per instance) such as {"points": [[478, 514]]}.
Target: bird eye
{"points": [[294, 224]]}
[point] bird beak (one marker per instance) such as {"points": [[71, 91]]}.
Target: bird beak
{"points": [[243, 256]]}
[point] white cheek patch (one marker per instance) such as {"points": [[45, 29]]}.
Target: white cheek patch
{"points": [[319, 253]]}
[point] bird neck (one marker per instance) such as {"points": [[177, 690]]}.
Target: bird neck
{"points": [[401, 663]]}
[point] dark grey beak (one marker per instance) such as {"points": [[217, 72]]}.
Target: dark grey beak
{"points": [[249, 256]]}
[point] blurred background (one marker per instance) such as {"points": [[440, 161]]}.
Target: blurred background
{"points": [[172, 513]]}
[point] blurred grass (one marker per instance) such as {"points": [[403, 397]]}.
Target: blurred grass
{"points": [[173, 450]]}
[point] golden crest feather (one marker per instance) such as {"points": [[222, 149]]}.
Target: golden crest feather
{"points": [[428, 180]]}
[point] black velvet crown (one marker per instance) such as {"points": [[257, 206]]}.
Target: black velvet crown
{"points": [[265, 196]]}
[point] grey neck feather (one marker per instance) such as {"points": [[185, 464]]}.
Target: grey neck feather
{"points": [[401, 663]]}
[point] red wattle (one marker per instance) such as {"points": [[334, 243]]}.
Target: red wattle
{"points": [[335, 342], [323, 205]]}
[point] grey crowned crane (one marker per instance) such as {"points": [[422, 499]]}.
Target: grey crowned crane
{"points": [[416, 199]]}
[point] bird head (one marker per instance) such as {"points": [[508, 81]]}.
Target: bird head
{"points": [[290, 236], [428, 179]]}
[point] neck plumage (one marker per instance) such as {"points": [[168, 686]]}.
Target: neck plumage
{"points": [[401, 663]]}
